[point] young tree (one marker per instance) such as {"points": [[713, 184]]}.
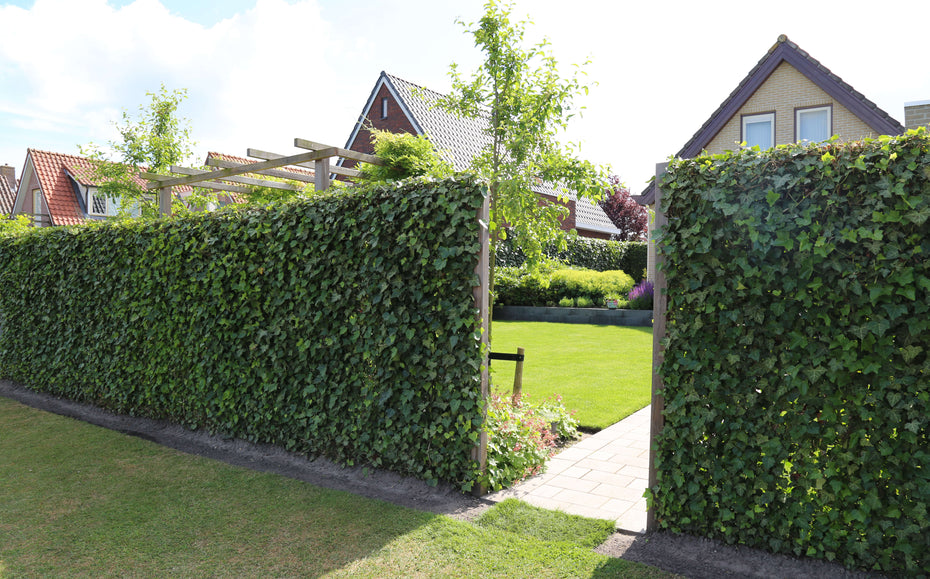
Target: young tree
{"points": [[153, 142], [526, 103], [631, 218]]}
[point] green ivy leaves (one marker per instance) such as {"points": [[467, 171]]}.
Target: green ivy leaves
{"points": [[342, 325], [796, 371]]}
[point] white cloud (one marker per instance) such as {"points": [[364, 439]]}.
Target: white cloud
{"points": [[252, 76]]}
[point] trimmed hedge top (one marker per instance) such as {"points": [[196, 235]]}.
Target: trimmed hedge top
{"points": [[596, 254], [796, 369], [342, 326]]}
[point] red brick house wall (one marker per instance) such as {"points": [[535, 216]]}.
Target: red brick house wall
{"points": [[395, 121]]}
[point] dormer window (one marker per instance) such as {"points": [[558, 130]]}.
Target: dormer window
{"points": [[813, 124], [759, 130], [384, 107], [99, 204]]}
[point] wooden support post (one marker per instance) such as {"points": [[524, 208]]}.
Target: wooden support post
{"points": [[482, 301], [321, 174], [518, 379], [659, 314], [164, 200]]}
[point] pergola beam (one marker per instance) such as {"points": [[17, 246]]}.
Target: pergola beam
{"points": [[243, 180], [259, 154], [223, 164], [250, 168], [340, 152]]}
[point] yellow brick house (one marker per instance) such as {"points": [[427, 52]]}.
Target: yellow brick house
{"points": [[788, 97]]}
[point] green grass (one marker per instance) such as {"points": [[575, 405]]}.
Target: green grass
{"points": [[602, 372], [81, 501], [546, 525]]}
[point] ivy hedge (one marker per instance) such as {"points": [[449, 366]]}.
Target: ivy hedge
{"points": [[586, 252], [796, 369], [341, 326]]}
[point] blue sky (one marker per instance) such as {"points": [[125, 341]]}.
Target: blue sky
{"points": [[261, 72]]}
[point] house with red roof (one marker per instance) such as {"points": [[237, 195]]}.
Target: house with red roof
{"points": [[60, 189], [396, 105]]}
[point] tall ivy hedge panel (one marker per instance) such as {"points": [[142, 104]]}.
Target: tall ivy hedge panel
{"points": [[796, 369], [342, 326]]}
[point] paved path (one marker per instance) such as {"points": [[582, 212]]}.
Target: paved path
{"points": [[603, 476]]}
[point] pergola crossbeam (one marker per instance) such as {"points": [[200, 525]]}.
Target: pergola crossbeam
{"points": [[344, 171], [223, 164], [230, 172], [250, 168]]}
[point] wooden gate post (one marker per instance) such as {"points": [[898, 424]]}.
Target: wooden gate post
{"points": [[482, 302], [659, 311], [164, 200]]}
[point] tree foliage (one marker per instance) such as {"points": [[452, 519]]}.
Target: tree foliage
{"points": [[154, 141], [631, 218], [15, 225], [405, 155], [527, 103]]}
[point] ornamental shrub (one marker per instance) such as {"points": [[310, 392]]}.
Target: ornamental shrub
{"points": [[549, 285], [640, 297], [584, 252], [522, 436], [631, 218]]}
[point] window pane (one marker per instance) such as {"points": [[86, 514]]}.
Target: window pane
{"points": [[759, 133], [99, 205], [814, 125]]}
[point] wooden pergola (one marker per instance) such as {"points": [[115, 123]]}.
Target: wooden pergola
{"points": [[228, 175]]}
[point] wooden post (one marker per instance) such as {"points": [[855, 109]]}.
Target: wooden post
{"points": [[517, 379], [164, 200], [321, 174], [659, 312], [482, 300]]}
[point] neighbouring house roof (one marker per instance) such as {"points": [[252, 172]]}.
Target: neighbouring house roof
{"points": [[783, 50], [56, 174], [461, 139], [7, 195], [52, 174]]}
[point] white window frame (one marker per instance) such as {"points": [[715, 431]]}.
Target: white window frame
{"points": [[384, 107], [797, 120], [36, 201], [761, 117], [111, 207]]}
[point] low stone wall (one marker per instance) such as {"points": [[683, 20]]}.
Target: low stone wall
{"points": [[596, 316]]}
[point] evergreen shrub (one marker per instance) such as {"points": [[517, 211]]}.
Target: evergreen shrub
{"points": [[342, 326], [796, 366]]}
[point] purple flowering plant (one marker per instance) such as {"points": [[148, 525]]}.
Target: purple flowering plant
{"points": [[640, 296]]}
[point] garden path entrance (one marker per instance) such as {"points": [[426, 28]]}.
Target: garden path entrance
{"points": [[603, 476]]}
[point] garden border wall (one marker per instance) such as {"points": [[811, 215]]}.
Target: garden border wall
{"points": [[593, 316]]}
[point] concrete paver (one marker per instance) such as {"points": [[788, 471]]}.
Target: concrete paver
{"points": [[602, 476]]}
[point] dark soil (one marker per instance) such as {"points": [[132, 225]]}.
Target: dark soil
{"points": [[692, 557]]}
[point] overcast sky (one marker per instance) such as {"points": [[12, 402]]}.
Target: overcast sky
{"points": [[261, 72]]}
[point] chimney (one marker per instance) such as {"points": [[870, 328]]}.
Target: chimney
{"points": [[9, 173], [916, 114]]}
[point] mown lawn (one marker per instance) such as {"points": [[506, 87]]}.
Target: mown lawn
{"points": [[602, 372], [78, 500]]}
